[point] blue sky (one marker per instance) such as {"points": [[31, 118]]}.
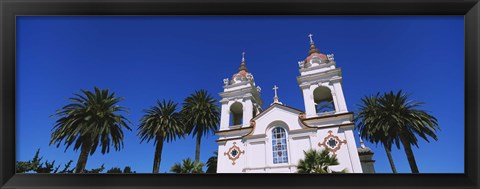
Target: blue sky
{"points": [[144, 58]]}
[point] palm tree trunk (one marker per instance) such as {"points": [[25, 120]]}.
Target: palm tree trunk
{"points": [[390, 159], [82, 159], [197, 150], [410, 156], [158, 156]]}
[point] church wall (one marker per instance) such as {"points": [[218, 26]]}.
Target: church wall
{"points": [[308, 101], [352, 149], [299, 144], [247, 111], [280, 116], [225, 116], [339, 96], [347, 154], [256, 156], [226, 165]]}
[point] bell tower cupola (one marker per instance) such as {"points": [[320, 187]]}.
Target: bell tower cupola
{"points": [[240, 99], [321, 83]]}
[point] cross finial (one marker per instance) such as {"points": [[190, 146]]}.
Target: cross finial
{"points": [[311, 39], [242, 65], [275, 98], [275, 89]]}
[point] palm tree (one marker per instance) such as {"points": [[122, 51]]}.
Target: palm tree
{"points": [[317, 162], [405, 121], [212, 163], [201, 116], [160, 123], [90, 120], [365, 118], [187, 166], [397, 120]]}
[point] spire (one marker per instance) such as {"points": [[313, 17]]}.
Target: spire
{"points": [[243, 66], [362, 145], [313, 49], [275, 98]]}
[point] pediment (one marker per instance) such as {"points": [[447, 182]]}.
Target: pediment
{"points": [[277, 114]]}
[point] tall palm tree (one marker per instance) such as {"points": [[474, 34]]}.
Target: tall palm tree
{"points": [[212, 163], [201, 116], [90, 120], [406, 122], [187, 166], [316, 162], [397, 120], [366, 117], [161, 123]]}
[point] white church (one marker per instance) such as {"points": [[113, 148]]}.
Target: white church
{"points": [[252, 140]]}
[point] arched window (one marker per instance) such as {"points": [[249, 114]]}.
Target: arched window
{"points": [[236, 114], [322, 97], [279, 145]]}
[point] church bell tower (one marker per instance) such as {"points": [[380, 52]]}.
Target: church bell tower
{"points": [[240, 99], [321, 84]]}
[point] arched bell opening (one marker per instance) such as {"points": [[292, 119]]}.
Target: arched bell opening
{"points": [[322, 96], [236, 114]]}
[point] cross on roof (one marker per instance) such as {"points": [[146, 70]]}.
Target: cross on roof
{"points": [[275, 89], [243, 56], [311, 40]]}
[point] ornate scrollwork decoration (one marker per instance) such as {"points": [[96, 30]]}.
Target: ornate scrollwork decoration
{"points": [[332, 142], [252, 123], [301, 115], [234, 153]]}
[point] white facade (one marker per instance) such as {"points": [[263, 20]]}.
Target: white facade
{"points": [[273, 140]]}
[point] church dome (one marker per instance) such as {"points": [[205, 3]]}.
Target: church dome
{"points": [[243, 74], [315, 57], [320, 56]]}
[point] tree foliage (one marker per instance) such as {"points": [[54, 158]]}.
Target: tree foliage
{"points": [[35, 165], [201, 116], [127, 169], [212, 163], [187, 166], [317, 162], [161, 123], [91, 120], [395, 119]]}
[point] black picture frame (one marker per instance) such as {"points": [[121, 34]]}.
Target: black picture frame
{"points": [[12, 8]]}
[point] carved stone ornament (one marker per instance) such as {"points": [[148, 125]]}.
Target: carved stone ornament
{"points": [[301, 63], [330, 57], [252, 123], [301, 115], [249, 76], [234, 153], [332, 142]]}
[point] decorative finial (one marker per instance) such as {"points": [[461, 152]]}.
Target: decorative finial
{"points": [[243, 66], [362, 145], [313, 49], [311, 40], [275, 98]]}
